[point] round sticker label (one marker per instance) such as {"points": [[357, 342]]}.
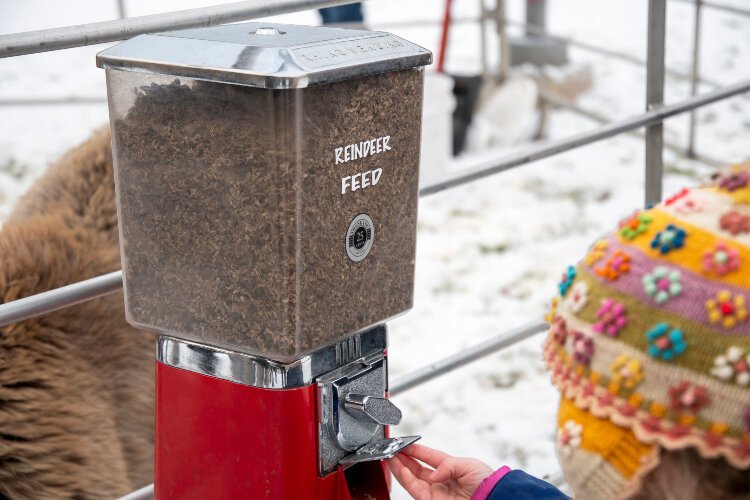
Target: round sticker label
{"points": [[359, 237]]}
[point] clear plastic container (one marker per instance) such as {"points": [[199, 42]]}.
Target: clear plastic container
{"points": [[264, 213]]}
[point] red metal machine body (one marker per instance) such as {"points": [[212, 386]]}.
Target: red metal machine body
{"points": [[220, 438]]}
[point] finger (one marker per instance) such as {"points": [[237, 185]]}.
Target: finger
{"points": [[415, 467], [416, 488], [430, 456], [448, 469], [395, 466]]}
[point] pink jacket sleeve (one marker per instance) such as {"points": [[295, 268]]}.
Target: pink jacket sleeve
{"points": [[486, 486]]}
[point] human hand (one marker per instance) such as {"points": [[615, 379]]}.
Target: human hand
{"points": [[450, 478]]}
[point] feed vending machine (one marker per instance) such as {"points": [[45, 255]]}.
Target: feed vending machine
{"points": [[267, 185]]}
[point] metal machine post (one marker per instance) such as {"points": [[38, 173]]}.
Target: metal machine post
{"points": [[534, 48], [657, 18]]}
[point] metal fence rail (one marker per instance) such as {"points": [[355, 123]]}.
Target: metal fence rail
{"points": [[559, 146], [557, 101], [598, 49], [730, 9], [32, 42], [52, 101], [60, 298], [145, 493], [466, 356]]}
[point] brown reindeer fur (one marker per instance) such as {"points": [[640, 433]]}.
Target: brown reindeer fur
{"points": [[76, 386]]}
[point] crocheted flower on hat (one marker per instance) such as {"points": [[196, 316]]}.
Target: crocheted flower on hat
{"points": [[596, 252], [567, 280], [734, 364], [611, 317], [688, 397], [662, 284], [727, 309], [627, 371], [735, 222], [617, 264], [569, 437], [686, 202], [552, 309], [721, 260], [558, 330], [665, 342], [734, 180], [576, 300], [583, 348], [669, 239], [635, 225]]}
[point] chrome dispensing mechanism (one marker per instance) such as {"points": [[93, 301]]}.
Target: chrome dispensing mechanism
{"points": [[354, 413]]}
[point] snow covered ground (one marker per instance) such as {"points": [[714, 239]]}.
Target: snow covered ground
{"points": [[489, 253]]}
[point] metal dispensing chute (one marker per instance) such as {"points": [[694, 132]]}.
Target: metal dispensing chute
{"points": [[267, 185]]}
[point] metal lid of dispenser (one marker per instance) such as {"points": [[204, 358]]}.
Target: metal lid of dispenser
{"points": [[265, 55]]}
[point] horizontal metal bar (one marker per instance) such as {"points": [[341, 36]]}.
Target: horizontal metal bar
{"points": [[552, 148], [574, 42], [721, 7], [47, 101], [397, 24], [32, 42], [614, 54], [59, 298], [145, 493], [465, 357], [561, 102]]}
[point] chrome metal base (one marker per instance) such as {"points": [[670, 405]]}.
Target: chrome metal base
{"points": [[257, 371]]}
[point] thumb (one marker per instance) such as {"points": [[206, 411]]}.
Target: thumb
{"points": [[447, 470]]}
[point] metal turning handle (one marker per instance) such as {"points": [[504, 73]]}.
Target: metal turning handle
{"points": [[379, 410]]}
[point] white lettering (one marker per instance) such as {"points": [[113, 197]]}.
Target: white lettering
{"points": [[363, 149], [360, 180], [356, 151]]}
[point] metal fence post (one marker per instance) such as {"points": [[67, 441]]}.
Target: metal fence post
{"points": [[694, 75], [483, 40], [121, 9], [657, 17], [536, 16], [502, 32]]}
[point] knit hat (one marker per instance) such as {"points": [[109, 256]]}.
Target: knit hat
{"points": [[649, 341]]}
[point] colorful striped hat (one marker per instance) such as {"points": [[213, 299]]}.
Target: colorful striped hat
{"points": [[649, 341]]}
